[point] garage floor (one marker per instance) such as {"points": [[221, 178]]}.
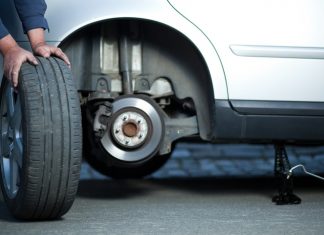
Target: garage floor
{"points": [[188, 197]]}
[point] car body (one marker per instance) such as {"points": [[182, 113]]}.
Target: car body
{"points": [[224, 71]]}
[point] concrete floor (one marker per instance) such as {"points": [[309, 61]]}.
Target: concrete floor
{"points": [[203, 189], [182, 206]]}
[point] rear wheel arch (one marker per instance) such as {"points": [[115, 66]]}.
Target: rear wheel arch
{"points": [[166, 52]]}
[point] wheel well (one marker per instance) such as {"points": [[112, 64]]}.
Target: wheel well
{"points": [[157, 51]]}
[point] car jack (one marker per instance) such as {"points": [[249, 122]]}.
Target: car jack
{"points": [[284, 178]]}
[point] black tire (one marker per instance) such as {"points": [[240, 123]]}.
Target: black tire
{"points": [[51, 137]]}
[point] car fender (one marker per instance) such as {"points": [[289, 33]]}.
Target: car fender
{"points": [[66, 17]]}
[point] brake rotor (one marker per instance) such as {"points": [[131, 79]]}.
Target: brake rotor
{"points": [[135, 129]]}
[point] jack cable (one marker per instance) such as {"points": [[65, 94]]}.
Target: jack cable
{"points": [[304, 169]]}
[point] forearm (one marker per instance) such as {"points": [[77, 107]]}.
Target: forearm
{"points": [[7, 43], [36, 37], [37, 41]]}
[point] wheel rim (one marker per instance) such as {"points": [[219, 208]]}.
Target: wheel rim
{"points": [[135, 131], [11, 145]]}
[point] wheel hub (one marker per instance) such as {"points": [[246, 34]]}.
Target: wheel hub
{"points": [[130, 129], [135, 129]]}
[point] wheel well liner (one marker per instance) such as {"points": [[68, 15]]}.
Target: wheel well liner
{"points": [[165, 53]]}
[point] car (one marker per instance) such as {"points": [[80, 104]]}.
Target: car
{"points": [[148, 73]]}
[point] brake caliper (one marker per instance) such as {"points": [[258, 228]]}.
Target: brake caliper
{"points": [[101, 119]]}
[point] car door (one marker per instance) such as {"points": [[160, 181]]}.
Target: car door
{"points": [[270, 50]]}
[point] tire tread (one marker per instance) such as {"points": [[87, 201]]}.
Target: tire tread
{"points": [[52, 135]]}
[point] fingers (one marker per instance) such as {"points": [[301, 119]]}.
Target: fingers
{"points": [[13, 77], [43, 51], [14, 68], [60, 54], [11, 72], [13, 60], [47, 50], [32, 59]]}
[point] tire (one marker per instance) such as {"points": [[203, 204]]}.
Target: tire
{"points": [[41, 141]]}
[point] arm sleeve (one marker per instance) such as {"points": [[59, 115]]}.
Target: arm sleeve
{"points": [[3, 30], [31, 14]]}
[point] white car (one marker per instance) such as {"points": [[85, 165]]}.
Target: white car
{"points": [[151, 72]]}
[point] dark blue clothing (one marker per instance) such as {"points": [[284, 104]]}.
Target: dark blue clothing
{"points": [[3, 30], [31, 14]]}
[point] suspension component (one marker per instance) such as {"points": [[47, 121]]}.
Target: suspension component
{"points": [[100, 121], [125, 59]]}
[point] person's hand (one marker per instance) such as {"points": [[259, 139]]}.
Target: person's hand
{"points": [[13, 59], [45, 50], [41, 48]]}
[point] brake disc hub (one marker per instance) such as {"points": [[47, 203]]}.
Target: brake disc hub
{"points": [[135, 129], [130, 129]]}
